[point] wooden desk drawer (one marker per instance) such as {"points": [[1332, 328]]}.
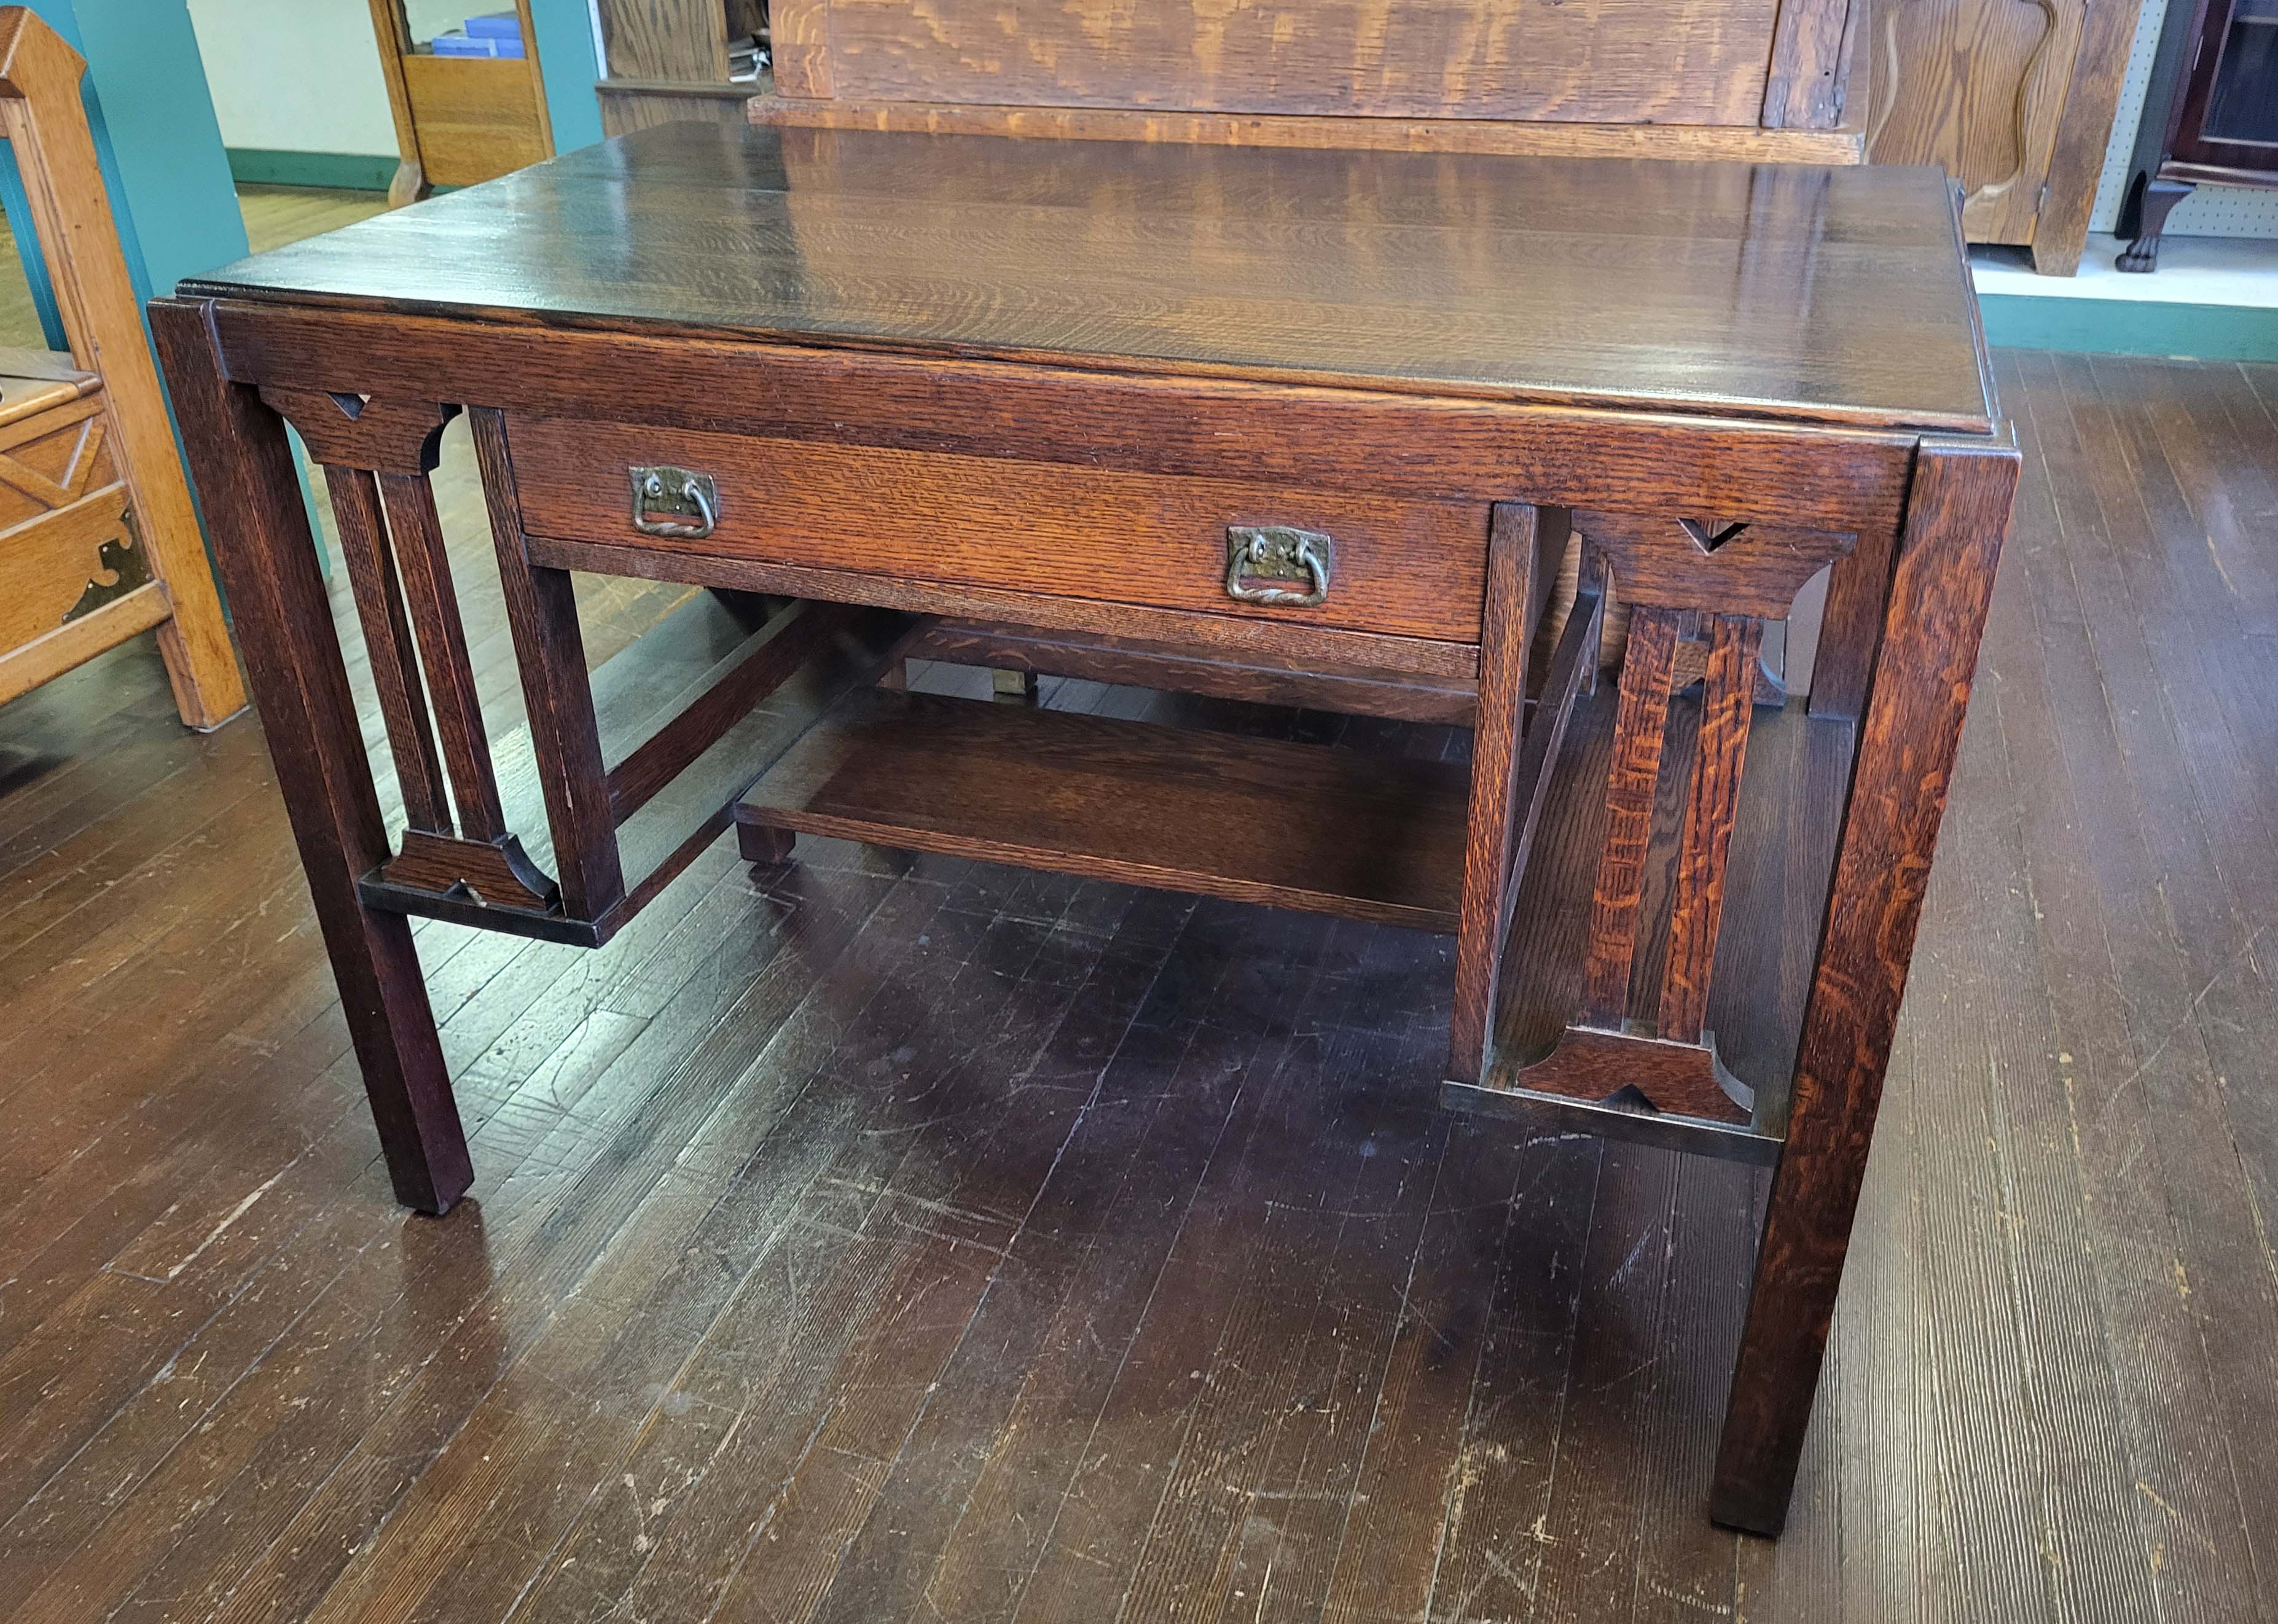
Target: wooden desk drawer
{"points": [[1412, 568]]}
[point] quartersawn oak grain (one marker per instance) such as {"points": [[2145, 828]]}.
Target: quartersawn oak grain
{"points": [[1716, 287]]}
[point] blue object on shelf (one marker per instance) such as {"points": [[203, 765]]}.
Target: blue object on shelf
{"points": [[457, 44], [494, 26]]}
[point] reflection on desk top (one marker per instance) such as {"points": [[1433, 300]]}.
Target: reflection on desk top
{"points": [[1834, 295]]}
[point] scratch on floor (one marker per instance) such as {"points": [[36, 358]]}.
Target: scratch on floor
{"points": [[235, 1213]]}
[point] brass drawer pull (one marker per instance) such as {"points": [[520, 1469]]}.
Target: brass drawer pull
{"points": [[672, 501], [1277, 553]]}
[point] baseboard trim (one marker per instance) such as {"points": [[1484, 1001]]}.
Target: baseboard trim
{"points": [[2131, 327], [344, 172]]}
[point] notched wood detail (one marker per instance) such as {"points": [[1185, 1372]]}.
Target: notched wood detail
{"points": [[1601, 1066], [1721, 566], [497, 874], [346, 430]]}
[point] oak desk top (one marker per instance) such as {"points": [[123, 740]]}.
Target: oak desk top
{"points": [[1834, 295]]}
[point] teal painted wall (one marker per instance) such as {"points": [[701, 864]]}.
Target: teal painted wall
{"points": [[565, 56], [160, 145], [161, 150], [2130, 327]]}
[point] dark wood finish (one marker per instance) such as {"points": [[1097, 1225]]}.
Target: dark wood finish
{"points": [[1957, 517], [1630, 781], [1408, 568], [636, 696], [495, 873], [773, 656], [1766, 471], [1700, 563], [922, 391], [1573, 664], [1733, 280], [2180, 144], [1417, 656], [350, 430], [1727, 706], [1593, 1063], [1292, 826], [410, 504], [1851, 626], [369, 560], [1255, 675], [243, 469], [757, 843], [1499, 802], [1974, 1409], [550, 645]]}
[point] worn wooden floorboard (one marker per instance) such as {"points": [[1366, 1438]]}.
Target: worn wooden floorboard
{"points": [[871, 1239]]}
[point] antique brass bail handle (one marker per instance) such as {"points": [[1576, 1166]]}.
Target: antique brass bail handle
{"points": [[674, 501], [1271, 553]]}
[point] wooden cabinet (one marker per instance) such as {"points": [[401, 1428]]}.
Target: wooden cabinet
{"points": [[2212, 117], [667, 61], [459, 119], [2015, 98], [1743, 78]]}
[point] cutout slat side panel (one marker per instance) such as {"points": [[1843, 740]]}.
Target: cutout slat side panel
{"points": [[410, 504], [1726, 707], [1630, 785], [379, 595]]}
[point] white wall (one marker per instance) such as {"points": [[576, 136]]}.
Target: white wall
{"points": [[295, 76]]}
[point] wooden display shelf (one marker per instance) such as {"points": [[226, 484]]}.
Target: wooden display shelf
{"points": [[1258, 821]]}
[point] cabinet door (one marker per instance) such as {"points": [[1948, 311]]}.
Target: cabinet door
{"points": [[2013, 97]]}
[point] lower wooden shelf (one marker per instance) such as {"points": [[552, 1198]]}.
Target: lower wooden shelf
{"points": [[1260, 820]]}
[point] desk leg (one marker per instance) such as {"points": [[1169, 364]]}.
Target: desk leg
{"points": [[1518, 538], [243, 469], [1956, 513]]}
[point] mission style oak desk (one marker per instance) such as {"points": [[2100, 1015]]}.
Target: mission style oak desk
{"points": [[1311, 427]]}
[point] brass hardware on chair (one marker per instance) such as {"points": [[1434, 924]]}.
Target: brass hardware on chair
{"points": [[1277, 553], [688, 502]]}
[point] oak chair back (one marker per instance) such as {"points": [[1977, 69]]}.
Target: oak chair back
{"points": [[99, 540]]}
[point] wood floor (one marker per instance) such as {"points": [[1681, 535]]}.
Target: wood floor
{"points": [[890, 1239]]}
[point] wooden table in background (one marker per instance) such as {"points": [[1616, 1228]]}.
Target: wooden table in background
{"points": [[1303, 426]]}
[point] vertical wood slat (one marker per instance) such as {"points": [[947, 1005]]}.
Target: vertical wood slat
{"points": [[1851, 626], [1631, 782], [550, 647], [420, 555], [1507, 625], [1727, 700], [378, 595]]}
